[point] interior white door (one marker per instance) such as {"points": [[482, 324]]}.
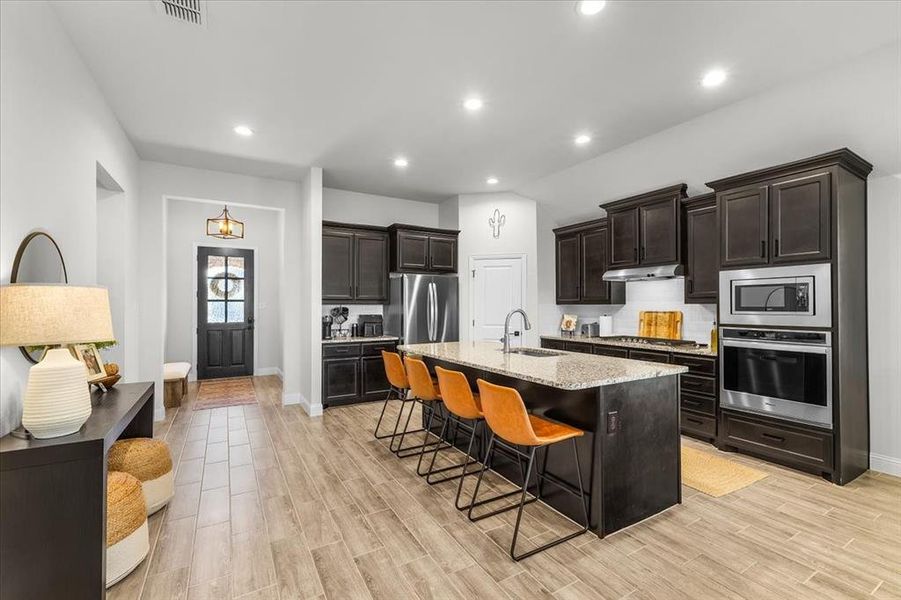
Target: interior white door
{"points": [[497, 289]]}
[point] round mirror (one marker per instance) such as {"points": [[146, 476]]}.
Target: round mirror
{"points": [[38, 260]]}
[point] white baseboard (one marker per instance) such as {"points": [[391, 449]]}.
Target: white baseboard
{"points": [[261, 371], [313, 410], [291, 398], [885, 464]]}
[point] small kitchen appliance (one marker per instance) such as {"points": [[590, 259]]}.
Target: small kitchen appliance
{"points": [[370, 325], [327, 327]]}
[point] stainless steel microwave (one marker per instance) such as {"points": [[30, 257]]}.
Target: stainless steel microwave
{"points": [[792, 296]]}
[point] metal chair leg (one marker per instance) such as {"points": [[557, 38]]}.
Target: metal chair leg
{"points": [[403, 400], [474, 503], [464, 465], [409, 451], [565, 538]]}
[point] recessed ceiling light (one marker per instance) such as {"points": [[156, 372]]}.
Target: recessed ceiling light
{"points": [[713, 78], [243, 130], [401, 162], [473, 104], [590, 7], [491, 181], [582, 139]]}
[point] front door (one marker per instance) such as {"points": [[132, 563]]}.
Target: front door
{"points": [[497, 288], [224, 312]]}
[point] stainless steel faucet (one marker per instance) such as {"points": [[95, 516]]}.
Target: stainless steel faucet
{"points": [[506, 338]]}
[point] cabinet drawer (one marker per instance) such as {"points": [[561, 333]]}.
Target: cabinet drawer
{"points": [[700, 366], [610, 351], [698, 424], [648, 355], [553, 344], [772, 439], [697, 403], [375, 348], [698, 385], [340, 350], [582, 347]]}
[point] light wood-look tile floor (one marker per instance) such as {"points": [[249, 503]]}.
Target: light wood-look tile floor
{"points": [[272, 504]]}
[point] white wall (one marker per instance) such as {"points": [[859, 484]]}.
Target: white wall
{"points": [[518, 236], [56, 127], [185, 222], [160, 181], [369, 209], [883, 300], [309, 295]]}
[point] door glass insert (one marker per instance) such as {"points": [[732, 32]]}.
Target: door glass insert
{"points": [[234, 288], [215, 312], [236, 266], [216, 288], [215, 266], [235, 312]]}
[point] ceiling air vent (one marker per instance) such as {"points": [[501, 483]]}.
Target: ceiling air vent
{"points": [[187, 11]]}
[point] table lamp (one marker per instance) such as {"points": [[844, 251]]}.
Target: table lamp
{"points": [[57, 400]]}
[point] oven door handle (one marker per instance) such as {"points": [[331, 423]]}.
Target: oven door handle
{"points": [[787, 347]]}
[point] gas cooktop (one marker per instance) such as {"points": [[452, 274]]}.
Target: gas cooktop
{"points": [[634, 339]]}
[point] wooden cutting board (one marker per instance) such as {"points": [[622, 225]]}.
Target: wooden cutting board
{"points": [[660, 324]]}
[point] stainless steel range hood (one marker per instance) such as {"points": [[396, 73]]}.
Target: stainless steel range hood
{"points": [[646, 273]]}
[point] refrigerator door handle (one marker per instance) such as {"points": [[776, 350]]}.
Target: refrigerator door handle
{"points": [[435, 312]]}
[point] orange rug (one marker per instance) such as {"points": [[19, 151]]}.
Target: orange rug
{"points": [[233, 391]]}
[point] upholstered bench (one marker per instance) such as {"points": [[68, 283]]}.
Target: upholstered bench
{"points": [[150, 462], [175, 383], [127, 537]]}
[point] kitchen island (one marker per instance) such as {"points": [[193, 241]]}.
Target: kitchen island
{"points": [[629, 410]]}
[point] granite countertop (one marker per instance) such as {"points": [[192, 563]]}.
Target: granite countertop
{"points": [[687, 349], [358, 339], [568, 371]]}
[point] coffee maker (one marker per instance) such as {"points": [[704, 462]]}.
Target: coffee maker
{"points": [[327, 327]]}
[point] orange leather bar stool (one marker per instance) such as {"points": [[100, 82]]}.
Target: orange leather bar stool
{"points": [[400, 387], [423, 391], [511, 425], [461, 406]]}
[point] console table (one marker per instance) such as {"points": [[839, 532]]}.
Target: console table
{"points": [[53, 500]]}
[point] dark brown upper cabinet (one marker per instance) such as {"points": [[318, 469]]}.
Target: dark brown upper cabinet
{"points": [[645, 229], [581, 259], [337, 264], [354, 263], [743, 215], [783, 214], [623, 238], [423, 249], [702, 245], [800, 217]]}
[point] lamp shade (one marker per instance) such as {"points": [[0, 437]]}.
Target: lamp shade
{"points": [[46, 315]]}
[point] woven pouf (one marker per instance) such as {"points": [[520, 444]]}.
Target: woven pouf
{"points": [[148, 460], [127, 538]]}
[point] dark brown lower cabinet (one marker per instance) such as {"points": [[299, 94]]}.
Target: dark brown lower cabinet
{"points": [[610, 351], [794, 445], [353, 372], [553, 344], [340, 381], [373, 380]]}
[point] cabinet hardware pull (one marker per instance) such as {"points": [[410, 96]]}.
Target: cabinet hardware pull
{"points": [[691, 286], [762, 248], [695, 421], [635, 253], [776, 249], [775, 438], [691, 402]]}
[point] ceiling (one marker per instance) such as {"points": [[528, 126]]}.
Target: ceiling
{"points": [[349, 86]]}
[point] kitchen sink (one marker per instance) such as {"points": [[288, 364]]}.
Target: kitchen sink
{"points": [[535, 352]]}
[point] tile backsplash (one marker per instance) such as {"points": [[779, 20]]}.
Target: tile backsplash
{"points": [[667, 294], [354, 311]]}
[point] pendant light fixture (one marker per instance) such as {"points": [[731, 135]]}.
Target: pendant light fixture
{"points": [[225, 227]]}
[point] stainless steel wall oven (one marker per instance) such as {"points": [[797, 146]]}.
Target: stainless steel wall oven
{"points": [[780, 373]]}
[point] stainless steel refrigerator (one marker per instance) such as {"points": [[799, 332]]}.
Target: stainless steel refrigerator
{"points": [[423, 308]]}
